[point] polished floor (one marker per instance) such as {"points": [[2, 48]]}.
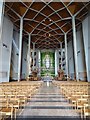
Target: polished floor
{"points": [[48, 103]]}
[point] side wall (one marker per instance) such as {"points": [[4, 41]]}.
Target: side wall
{"points": [[15, 55], [81, 56], [82, 52], [86, 34], [6, 45]]}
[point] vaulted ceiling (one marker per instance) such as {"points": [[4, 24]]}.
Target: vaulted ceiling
{"points": [[46, 21]]}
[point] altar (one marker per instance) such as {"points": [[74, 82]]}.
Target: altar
{"points": [[47, 78]]}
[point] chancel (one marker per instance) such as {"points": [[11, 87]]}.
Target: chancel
{"points": [[44, 59]]}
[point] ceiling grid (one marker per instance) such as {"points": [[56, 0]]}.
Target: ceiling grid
{"points": [[47, 21]]}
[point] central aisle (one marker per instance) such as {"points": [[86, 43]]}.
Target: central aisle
{"points": [[48, 103]]}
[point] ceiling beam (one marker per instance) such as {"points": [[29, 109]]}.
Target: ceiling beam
{"points": [[13, 11], [81, 9], [67, 7]]}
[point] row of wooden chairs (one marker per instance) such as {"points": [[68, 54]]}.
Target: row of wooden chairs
{"points": [[14, 96], [77, 93]]}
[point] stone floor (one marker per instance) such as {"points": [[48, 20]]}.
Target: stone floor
{"points": [[48, 103]]}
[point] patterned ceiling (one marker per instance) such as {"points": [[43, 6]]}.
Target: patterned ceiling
{"points": [[46, 21]]}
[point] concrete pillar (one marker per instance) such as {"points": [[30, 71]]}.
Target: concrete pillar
{"points": [[29, 56], [33, 55], [20, 49], [57, 59], [56, 63], [66, 55], [89, 45], [1, 23], [61, 53], [39, 57], [75, 47]]}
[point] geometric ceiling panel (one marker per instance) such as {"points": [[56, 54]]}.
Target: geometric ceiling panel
{"points": [[35, 31], [39, 17], [66, 28], [60, 23], [46, 21], [37, 6], [27, 27], [47, 11], [53, 26], [61, 38], [42, 33], [33, 23], [52, 32], [19, 8], [56, 5], [64, 13], [30, 14], [75, 7], [58, 31], [83, 11], [28, 3], [41, 26], [47, 29], [54, 17], [13, 14]]}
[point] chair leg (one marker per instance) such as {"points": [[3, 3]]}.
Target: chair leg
{"points": [[15, 114], [11, 115], [84, 117], [81, 115]]}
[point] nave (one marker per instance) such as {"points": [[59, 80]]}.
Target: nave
{"points": [[42, 100], [48, 103]]}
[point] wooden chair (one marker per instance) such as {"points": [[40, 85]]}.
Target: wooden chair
{"points": [[86, 110], [7, 111]]}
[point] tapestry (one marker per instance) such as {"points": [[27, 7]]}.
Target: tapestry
{"points": [[47, 64]]}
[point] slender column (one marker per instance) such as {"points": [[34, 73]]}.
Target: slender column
{"points": [[36, 58], [66, 54], [55, 62], [61, 53], [20, 49], [39, 56], [75, 47], [29, 55], [33, 54]]}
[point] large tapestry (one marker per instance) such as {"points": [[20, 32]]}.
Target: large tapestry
{"points": [[47, 64]]}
